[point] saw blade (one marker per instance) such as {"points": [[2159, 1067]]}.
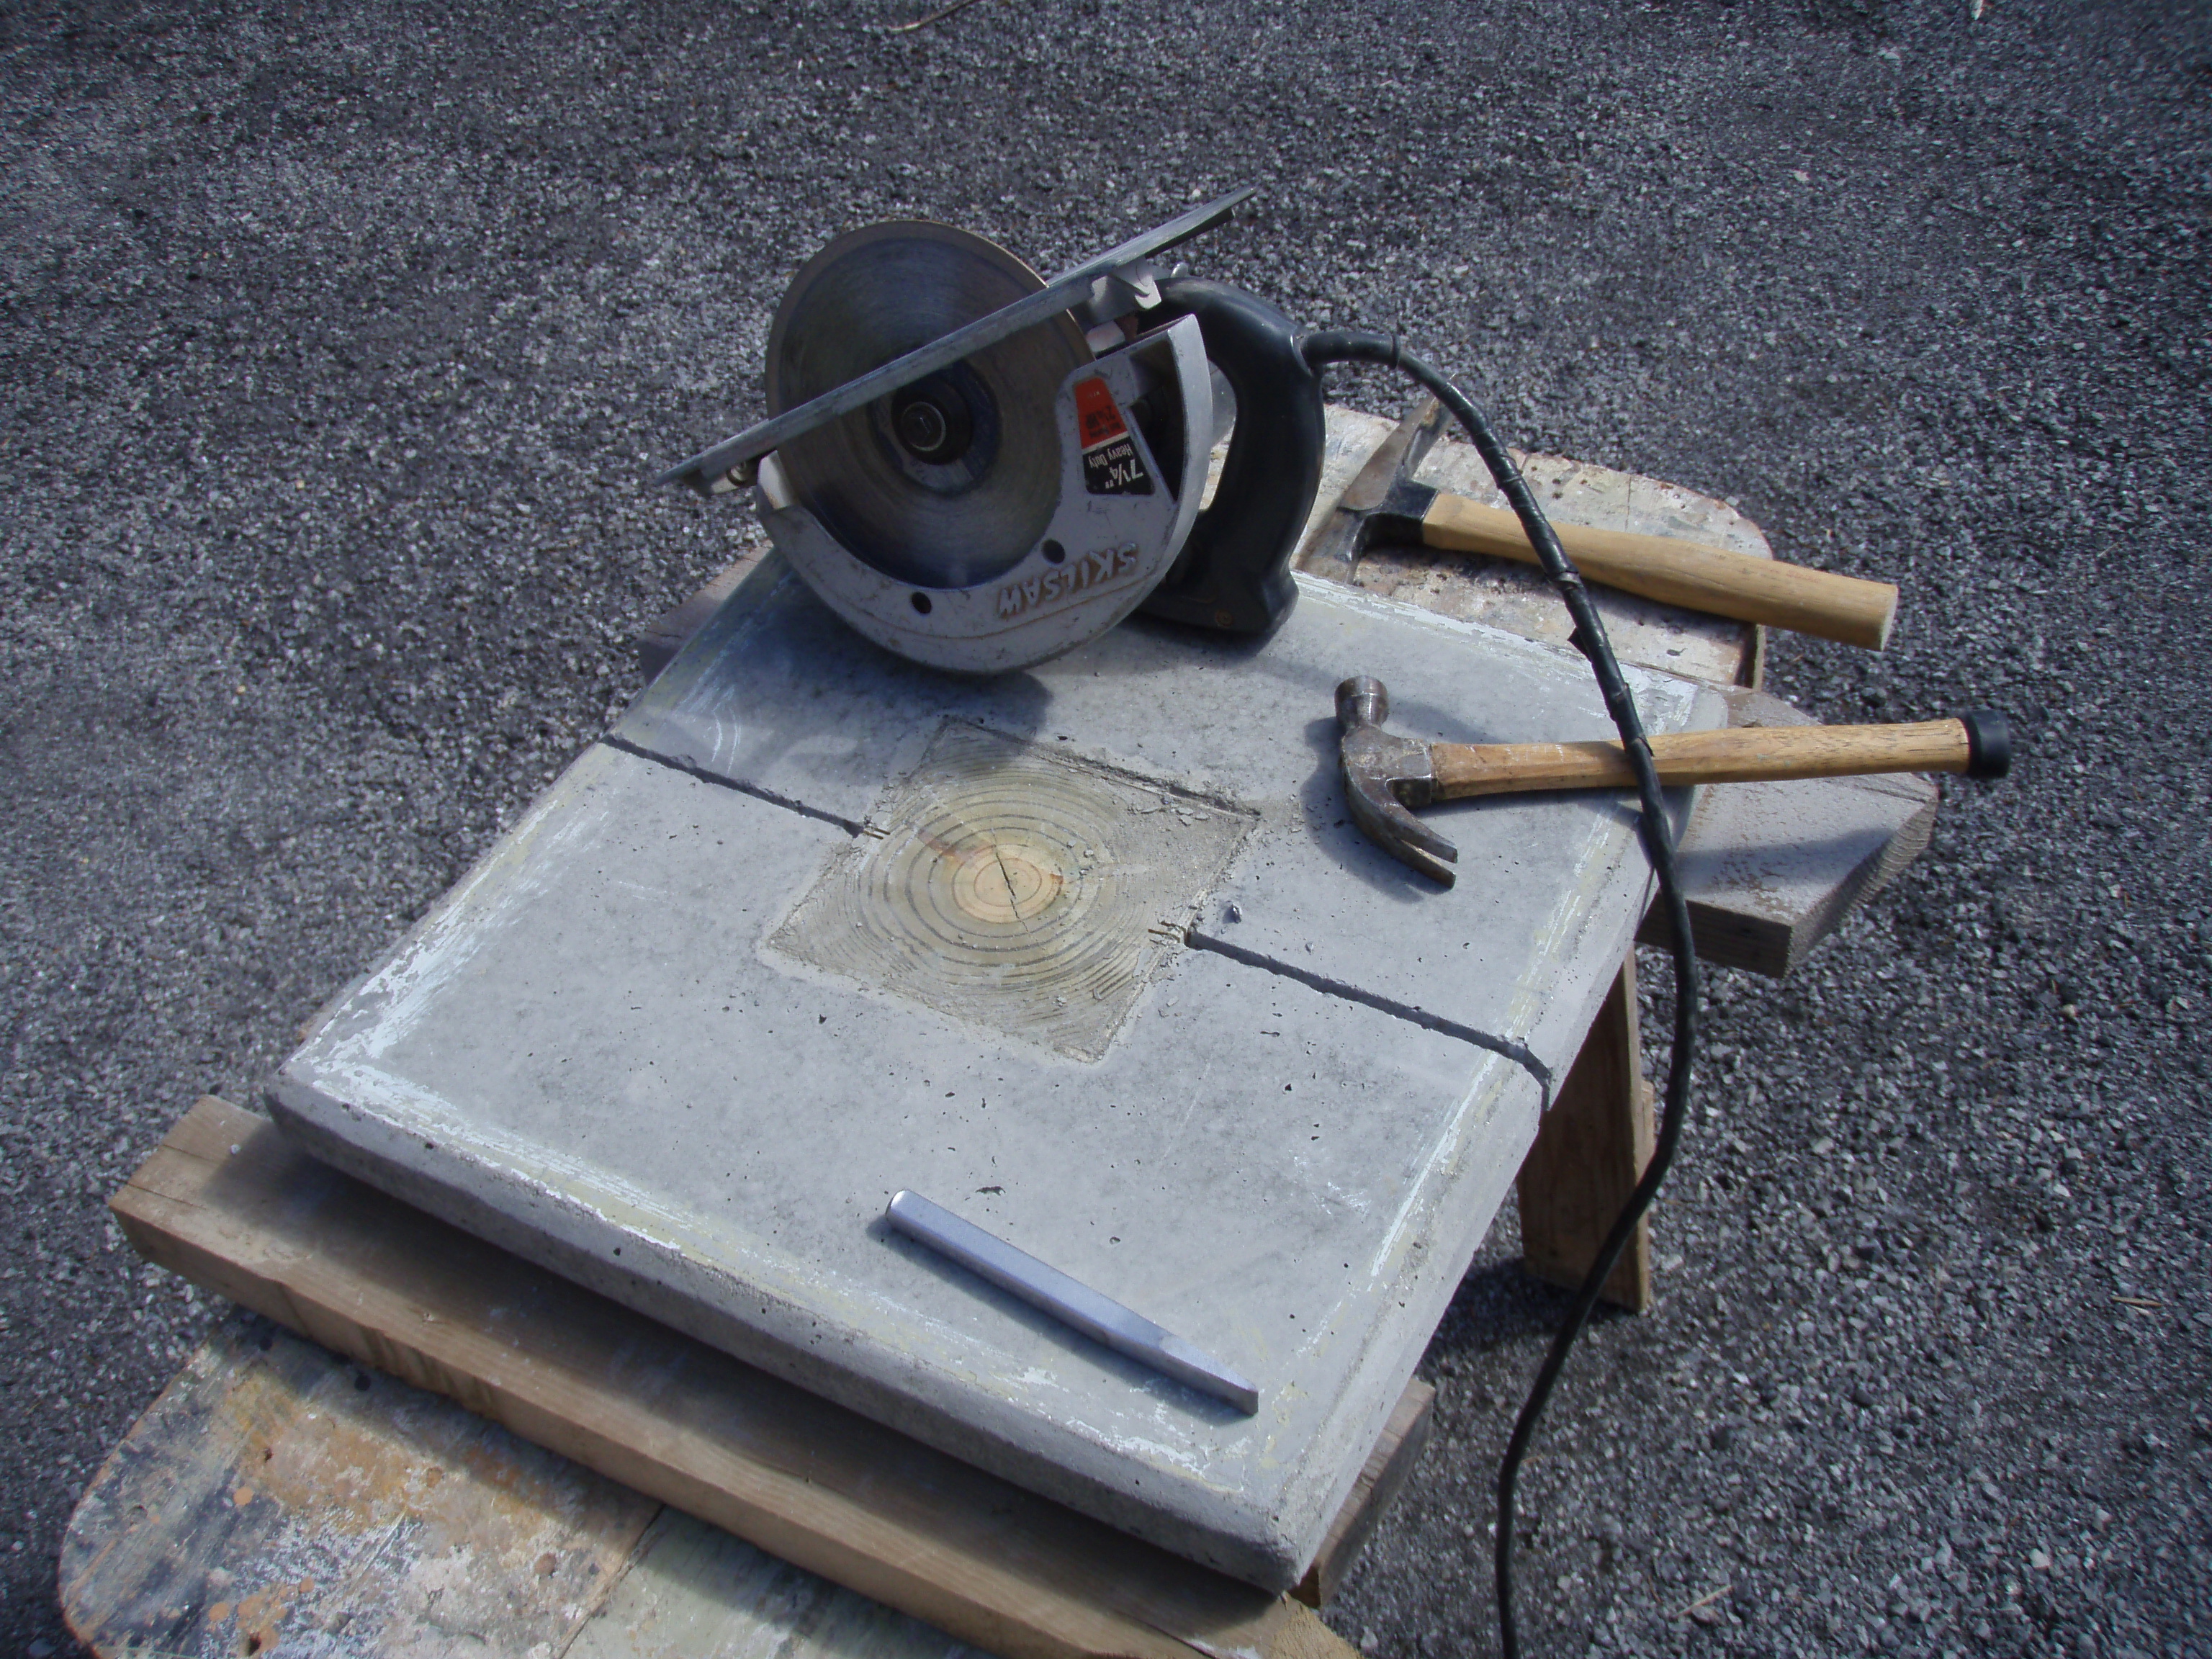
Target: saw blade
{"points": [[949, 482]]}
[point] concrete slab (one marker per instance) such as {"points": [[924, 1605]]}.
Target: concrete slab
{"points": [[1090, 954], [776, 697], [591, 1055]]}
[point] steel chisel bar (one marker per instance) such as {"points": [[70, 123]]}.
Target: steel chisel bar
{"points": [[1096, 1316]]}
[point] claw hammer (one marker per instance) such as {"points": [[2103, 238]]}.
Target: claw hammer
{"points": [[1384, 774], [1383, 504]]}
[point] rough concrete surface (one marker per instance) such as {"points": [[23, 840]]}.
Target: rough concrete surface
{"points": [[570, 1057], [338, 340]]}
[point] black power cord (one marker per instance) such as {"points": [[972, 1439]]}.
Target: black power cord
{"points": [[1351, 345]]}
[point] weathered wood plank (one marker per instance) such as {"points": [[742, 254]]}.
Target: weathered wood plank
{"points": [[267, 1501], [1404, 1439], [385, 1516], [692, 1591], [1590, 1150], [659, 640], [1520, 599], [1772, 869], [228, 1202], [274, 1494]]}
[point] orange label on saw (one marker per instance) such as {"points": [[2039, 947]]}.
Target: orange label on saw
{"points": [[1097, 417]]}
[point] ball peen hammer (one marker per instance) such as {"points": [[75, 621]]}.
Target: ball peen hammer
{"points": [[1382, 504], [1384, 774]]}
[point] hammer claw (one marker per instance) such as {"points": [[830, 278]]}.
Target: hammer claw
{"points": [[1381, 773], [1407, 839]]}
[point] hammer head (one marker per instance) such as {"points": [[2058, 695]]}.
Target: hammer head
{"points": [[1383, 775], [1383, 503]]}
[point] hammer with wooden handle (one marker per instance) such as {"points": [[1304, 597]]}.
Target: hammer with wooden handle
{"points": [[1384, 775], [1383, 504]]}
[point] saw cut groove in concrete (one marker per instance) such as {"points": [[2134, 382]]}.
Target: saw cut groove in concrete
{"points": [[707, 775], [1001, 885], [1516, 1052]]}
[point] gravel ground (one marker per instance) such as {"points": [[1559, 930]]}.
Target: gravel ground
{"points": [[336, 340]]}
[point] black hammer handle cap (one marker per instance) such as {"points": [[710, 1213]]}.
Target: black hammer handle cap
{"points": [[1988, 743]]}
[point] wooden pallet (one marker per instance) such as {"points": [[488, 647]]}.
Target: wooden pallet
{"points": [[231, 1205]]}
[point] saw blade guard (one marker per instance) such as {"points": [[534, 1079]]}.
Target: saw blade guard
{"points": [[1128, 471], [951, 480]]}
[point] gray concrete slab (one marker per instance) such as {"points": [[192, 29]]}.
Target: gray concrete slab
{"points": [[817, 925], [591, 1054], [776, 696]]}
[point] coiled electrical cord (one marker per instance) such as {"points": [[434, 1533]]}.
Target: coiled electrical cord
{"points": [[1353, 345]]}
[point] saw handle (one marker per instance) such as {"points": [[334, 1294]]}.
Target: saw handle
{"points": [[1234, 571], [1978, 744], [1847, 609]]}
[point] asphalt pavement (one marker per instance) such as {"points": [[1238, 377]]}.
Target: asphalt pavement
{"points": [[337, 341]]}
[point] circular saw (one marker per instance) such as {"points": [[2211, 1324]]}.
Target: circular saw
{"points": [[978, 469]]}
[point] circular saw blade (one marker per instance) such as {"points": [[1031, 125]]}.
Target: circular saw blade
{"points": [[948, 496]]}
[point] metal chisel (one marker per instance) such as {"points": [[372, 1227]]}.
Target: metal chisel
{"points": [[1096, 1316]]}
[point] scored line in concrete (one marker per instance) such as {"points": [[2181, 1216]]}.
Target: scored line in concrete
{"points": [[705, 775], [1519, 1053]]}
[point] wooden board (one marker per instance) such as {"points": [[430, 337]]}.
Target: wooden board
{"points": [[1519, 598], [230, 1204], [277, 1498], [1589, 1152], [659, 640], [275, 1490], [1772, 869], [1387, 1466]]}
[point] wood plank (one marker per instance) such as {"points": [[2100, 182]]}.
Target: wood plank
{"points": [[228, 1202], [659, 640], [693, 1589], [1404, 1437], [1772, 869], [1590, 1150], [268, 1498], [273, 1493], [1501, 593]]}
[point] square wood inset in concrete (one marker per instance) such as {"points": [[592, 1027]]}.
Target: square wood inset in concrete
{"points": [[1002, 884]]}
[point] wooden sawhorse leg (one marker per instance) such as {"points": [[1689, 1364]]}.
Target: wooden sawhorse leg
{"points": [[1590, 1150]]}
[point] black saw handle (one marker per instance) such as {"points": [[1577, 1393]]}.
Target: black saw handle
{"points": [[1234, 571]]}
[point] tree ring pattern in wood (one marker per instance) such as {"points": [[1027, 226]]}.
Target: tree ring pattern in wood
{"points": [[1010, 887]]}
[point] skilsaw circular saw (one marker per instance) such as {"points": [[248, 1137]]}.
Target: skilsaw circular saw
{"points": [[978, 469]]}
